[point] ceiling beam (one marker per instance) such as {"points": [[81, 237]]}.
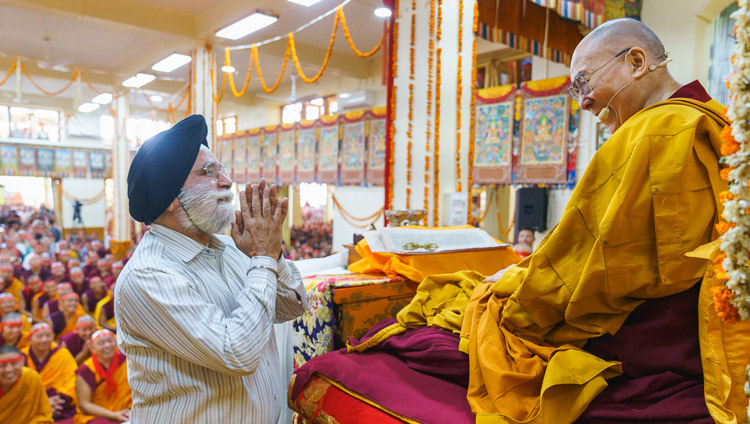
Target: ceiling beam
{"points": [[125, 12]]}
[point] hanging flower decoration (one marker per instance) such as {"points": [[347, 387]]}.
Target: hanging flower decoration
{"points": [[438, 84], [472, 109], [430, 62], [410, 115], [392, 129], [732, 299], [459, 93]]}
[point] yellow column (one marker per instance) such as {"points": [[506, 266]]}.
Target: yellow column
{"points": [[121, 240]]}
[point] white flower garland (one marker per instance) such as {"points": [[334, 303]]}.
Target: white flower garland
{"points": [[735, 243]]}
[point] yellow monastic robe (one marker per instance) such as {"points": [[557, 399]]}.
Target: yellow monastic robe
{"points": [[114, 402], [99, 309], [648, 197], [15, 288], [59, 372], [26, 402], [70, 325]]}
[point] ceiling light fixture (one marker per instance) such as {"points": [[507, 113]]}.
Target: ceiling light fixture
{"points": [[171, 62], [344, 95], [88, 107], [306, 3], [245, 26], [102, 99], [228, 69], [383, 12], [156, 98], [138, 80]]}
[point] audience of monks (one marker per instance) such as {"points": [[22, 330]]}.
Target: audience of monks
{"points": [[312, 239], [57, 364]]}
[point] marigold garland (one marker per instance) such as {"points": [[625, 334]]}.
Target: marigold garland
{"points": [[349, 40], [49, 93], [438, 84], [733, 300], [260, 73], [459, 93], [392, 129], [472, 111], [228, 62], [410, 115], [10, 71], [323, 67], [430, 62]]}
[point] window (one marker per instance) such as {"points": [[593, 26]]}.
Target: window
{"points": [[721, 53], [226, 126], [37, 124], [309, 110], [4, 122], [138, 130]]}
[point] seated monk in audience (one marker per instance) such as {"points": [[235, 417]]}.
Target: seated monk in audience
{"points": [[57, 368], [525, 242], [34, 286], [116, 270], [102, 388], [77, 280], [23, 399], [104, 269], [58, 271], [90, 270], [40, 300], [8, 305], [11, 284], [13, 333], [53, 305], [65, 320], [96, 292], [76, 341], [35, 268]]}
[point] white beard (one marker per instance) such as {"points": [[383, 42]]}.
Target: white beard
{"points": [[204, 209]]}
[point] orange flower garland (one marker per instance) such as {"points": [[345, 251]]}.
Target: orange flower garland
{"points": [[472, 134], [410, 115], [260, 73], [430, 58], [10, 71], [323, 67], [49, 93], [459, 93], [436, 168], [228, 62], [340, 13], [392, 129]]}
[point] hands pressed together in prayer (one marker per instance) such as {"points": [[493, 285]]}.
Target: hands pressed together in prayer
{"points": [[56, 402], [257, 227]]}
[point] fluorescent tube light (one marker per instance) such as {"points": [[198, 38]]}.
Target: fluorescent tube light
{"points": [[88, 107], [138, 80], [228, 69], [306, 3], [156, 98], [246, 26], [171, 62], [383, 12], [102, 99]]}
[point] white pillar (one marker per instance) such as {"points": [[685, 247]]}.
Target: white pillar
{"points": [[442, 88], [201, 89], [121, 240]]}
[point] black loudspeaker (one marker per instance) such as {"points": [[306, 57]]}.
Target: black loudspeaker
{"points": [[531, 209]]}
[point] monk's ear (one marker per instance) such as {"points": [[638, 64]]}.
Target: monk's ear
{"points": [[636, 61]]}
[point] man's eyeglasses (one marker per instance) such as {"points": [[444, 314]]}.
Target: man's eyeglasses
{"points": [[213, 170], [580, 85]]}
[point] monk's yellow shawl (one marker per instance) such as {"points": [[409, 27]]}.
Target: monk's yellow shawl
{"points": [[59, 373], [26, 402], [15, 288], [70, 324], [114, 402], [99, 309]]}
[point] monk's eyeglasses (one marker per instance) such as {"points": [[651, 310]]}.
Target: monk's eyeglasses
{"points": [[213, 170], [580, 85]]}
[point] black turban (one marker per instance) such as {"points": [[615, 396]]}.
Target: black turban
{"points": [[162, 165]]}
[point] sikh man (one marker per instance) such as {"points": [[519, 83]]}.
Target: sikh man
{"points": [[195, 308], [102, 389], [601, 322], [23, 399]]}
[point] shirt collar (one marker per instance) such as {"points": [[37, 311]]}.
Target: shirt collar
{"points": [[183, 246]]}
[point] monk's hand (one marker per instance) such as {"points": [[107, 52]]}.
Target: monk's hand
{"points": [[496, 276], [121, 416], [56, 402], [260, 234]]}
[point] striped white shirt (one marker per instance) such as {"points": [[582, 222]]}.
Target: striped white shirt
{"points": [[196, 325]]}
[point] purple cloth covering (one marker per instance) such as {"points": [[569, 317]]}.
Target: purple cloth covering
{"points": [[92, 299], [662, 379], [401, 374], [88, 376], [73, 342]]}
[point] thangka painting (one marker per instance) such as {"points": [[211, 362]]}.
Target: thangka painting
{"points": [[376, 147], [239, 174], [544, 131], [225, 154], [353, 148], [63, 162], [96, 163], [45, 162], [270, 153], [253, 156], [493, 148], [9, 160], [80, 163], [108, 163], [28, 160], [306, 138], [287, 153], [328, 150]]}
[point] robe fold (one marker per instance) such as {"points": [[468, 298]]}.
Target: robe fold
{"points": [[112, 401], [26, 402], [58, 371]]}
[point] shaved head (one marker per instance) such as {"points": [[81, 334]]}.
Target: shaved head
{"points": [[618, 34]]}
